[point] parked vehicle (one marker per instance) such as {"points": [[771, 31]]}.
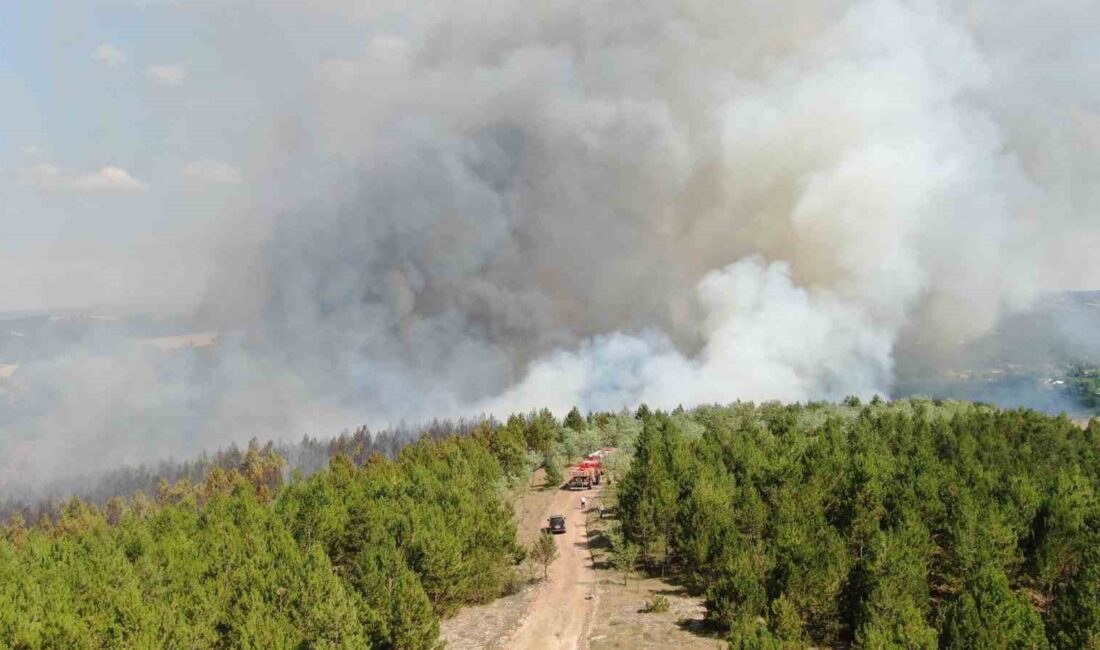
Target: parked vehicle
{"points": [[589, 472], [557, 524], [583, 478]]}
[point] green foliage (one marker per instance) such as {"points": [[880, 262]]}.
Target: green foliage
{"points": [[902, 626], [892, 524], [553, 466], [544, 551], [987, 615], [647, 494], [659, 604], [624, 555], [1075, 617], [892, 584], [507, 443], [909, 524], [737, 595], [228, 574], [1084, 382], [1059, 533], [353, 557], [753, 635], [575, 421], [541, 431], [574, 445], [786, 624]]}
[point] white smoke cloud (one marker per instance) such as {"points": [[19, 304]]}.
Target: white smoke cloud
{"points": [[109, 178], [168, 74], [505, 205], [765, 339], [862, 162], [109, 55], [211, 172], [550, 188]]}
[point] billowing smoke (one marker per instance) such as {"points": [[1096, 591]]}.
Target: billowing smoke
{"points": [[493, 206]]}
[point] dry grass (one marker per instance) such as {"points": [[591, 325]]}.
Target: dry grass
{"points": [[488, 626], [621, 619]]}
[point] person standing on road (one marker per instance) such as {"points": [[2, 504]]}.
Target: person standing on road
{"points": [[583, 500]]}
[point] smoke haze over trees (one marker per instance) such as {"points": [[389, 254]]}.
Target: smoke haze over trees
{"points": [[913, 523], [471, 208]]}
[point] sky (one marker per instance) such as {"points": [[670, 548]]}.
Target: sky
{"points": [[397, 210], [126, 133], [132, 130]]}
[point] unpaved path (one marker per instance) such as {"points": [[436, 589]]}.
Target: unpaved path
{"points": [[561, 613], [488, 626]]}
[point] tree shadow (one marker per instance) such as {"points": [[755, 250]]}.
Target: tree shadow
{"points": [[701, 627], [598, 541], [673, 576]]}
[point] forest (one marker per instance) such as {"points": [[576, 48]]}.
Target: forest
{"points": [[361, 554], [912, 524], [1084, 382]]}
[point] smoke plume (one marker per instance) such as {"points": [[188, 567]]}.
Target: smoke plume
{"points": [[488, 207]]}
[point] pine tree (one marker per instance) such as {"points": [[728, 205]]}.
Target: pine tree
{"points": [[1075, 612], [544, 551], [989, 615], [575, 421]]}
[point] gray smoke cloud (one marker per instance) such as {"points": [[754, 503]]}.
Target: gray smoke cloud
{"points": [[487, 207]]}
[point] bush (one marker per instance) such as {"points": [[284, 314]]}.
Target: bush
{"points": [[659, 604], [554, 475]]}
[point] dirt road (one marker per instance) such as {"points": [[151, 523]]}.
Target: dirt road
{"points": [[561, 613]]}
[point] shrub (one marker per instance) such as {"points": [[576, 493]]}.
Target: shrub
{"points": [[659, 604]]}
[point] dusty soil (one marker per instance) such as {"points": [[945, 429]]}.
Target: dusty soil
{"points": [[494, 624], [487, 626], [559, 616], [620, 620], [584, 605]]}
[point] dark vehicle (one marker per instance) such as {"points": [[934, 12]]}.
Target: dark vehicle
{"points": [[557, 524]]}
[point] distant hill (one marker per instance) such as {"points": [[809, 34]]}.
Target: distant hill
{"points": [[1018, 363]]}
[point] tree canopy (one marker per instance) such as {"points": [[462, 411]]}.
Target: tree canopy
{"points": [[355, 556], [905, 524]]}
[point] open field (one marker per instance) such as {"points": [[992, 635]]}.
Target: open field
{"points": [[621, 621]]}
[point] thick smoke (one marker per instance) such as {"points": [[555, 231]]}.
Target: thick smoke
{"points": [[581, 204], [495, 206]]}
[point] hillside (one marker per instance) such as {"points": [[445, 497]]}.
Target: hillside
{"points": [[1024, 361], [912, 522]]}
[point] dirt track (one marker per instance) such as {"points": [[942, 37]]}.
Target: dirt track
{"points": [[560, 615]]}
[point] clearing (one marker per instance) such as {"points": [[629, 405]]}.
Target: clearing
{"points": [[584, 605]]}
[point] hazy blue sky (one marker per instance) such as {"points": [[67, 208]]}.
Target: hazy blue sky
{"points": [[420, 209], [126, 133], [132, 130]]}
